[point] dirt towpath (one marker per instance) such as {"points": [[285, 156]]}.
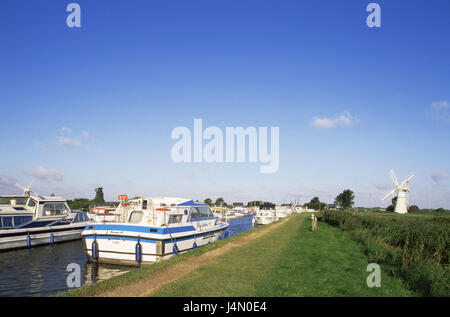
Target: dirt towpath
{"points": [[150, 284]]}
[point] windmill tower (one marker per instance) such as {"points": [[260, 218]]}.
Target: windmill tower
{"points": [[26, 190], [402, 190]]}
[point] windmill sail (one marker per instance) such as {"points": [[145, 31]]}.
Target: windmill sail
{"points": [[402, 190]]}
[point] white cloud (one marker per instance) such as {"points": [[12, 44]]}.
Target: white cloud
{"points": [[343, 120], [440, 104], [8, 185], [440, 110], [65, 130], [41, 145], [65, 139], [85, 134], [42, 173], [439, 176]]}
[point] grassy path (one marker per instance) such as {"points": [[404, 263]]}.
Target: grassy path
{"points": [[149, 278], [238, 271], [281, 259], [289, 261]]}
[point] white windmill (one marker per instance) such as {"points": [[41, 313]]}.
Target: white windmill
{"points": [[402, 190], [26, 190]]}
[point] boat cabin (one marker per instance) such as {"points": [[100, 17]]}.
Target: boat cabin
{"points": [[163, 211], [31, 211]]}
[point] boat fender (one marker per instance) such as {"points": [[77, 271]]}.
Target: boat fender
{"points": [[175, 249], [52, 238], [139, 251], [95, 249], [28, 240], [194, 246]]}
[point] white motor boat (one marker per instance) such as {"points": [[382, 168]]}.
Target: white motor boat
{"points": [[156, 228], [282, 211], [240, 211], [265, 216], [27, 221], [104, 213]]}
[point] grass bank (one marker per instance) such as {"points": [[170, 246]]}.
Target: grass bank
{"points": [[281, 259], [412, 247], [289, 261], [136, 275]]}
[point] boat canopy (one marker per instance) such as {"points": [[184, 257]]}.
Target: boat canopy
{"points": [[192, 203]]}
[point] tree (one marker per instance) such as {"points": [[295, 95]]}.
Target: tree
{"points": [[413, 209], [208, 201], [99, 197], [392, 206], [345, 199], [219, 201], [316, 204], [79, 204]]}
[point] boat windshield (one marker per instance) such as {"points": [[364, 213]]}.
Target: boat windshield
{"points": [[20, 201]]}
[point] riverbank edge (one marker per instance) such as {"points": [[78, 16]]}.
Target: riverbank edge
{"points": [[146, 271]]}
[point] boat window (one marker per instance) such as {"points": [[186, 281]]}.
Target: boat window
{"points": [[206, 212], [195, 213], [136, 217], [19, 220], [21, 201], [175, 218], [55, 209], [7, 222], [80, 217], [31, 203], [144, 204]]}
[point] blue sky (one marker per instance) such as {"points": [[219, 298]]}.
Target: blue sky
{"points": [[95, 106]]}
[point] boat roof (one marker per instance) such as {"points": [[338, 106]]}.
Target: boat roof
{"points": [[35, 197], [48, 198], [171, 201]]}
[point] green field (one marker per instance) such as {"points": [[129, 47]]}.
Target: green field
{"points": [[289, 261], [413, 247]]}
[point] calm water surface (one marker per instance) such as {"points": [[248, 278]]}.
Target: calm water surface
{"points": [[41, 271]]}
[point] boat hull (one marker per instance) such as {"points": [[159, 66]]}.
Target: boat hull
{"points": [[22, 238], [264, 220], [119, 247]]}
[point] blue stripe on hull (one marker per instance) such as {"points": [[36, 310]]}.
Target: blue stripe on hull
{"points": [[156, 230], [118, 237]]}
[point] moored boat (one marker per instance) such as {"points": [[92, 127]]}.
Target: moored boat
{"points": [[27, 221], [156, 228], [104, 213], [265, 216]]}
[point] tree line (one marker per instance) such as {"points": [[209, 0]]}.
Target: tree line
{"points": [[84, 203]]}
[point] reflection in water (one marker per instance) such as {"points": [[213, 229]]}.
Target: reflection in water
{"points": [[42, 270], [94, 272]]}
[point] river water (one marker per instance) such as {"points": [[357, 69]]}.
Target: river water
{"points": [[42, 270]]}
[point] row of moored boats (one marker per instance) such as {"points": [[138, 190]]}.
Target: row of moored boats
{"points": [[139, 230]]}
